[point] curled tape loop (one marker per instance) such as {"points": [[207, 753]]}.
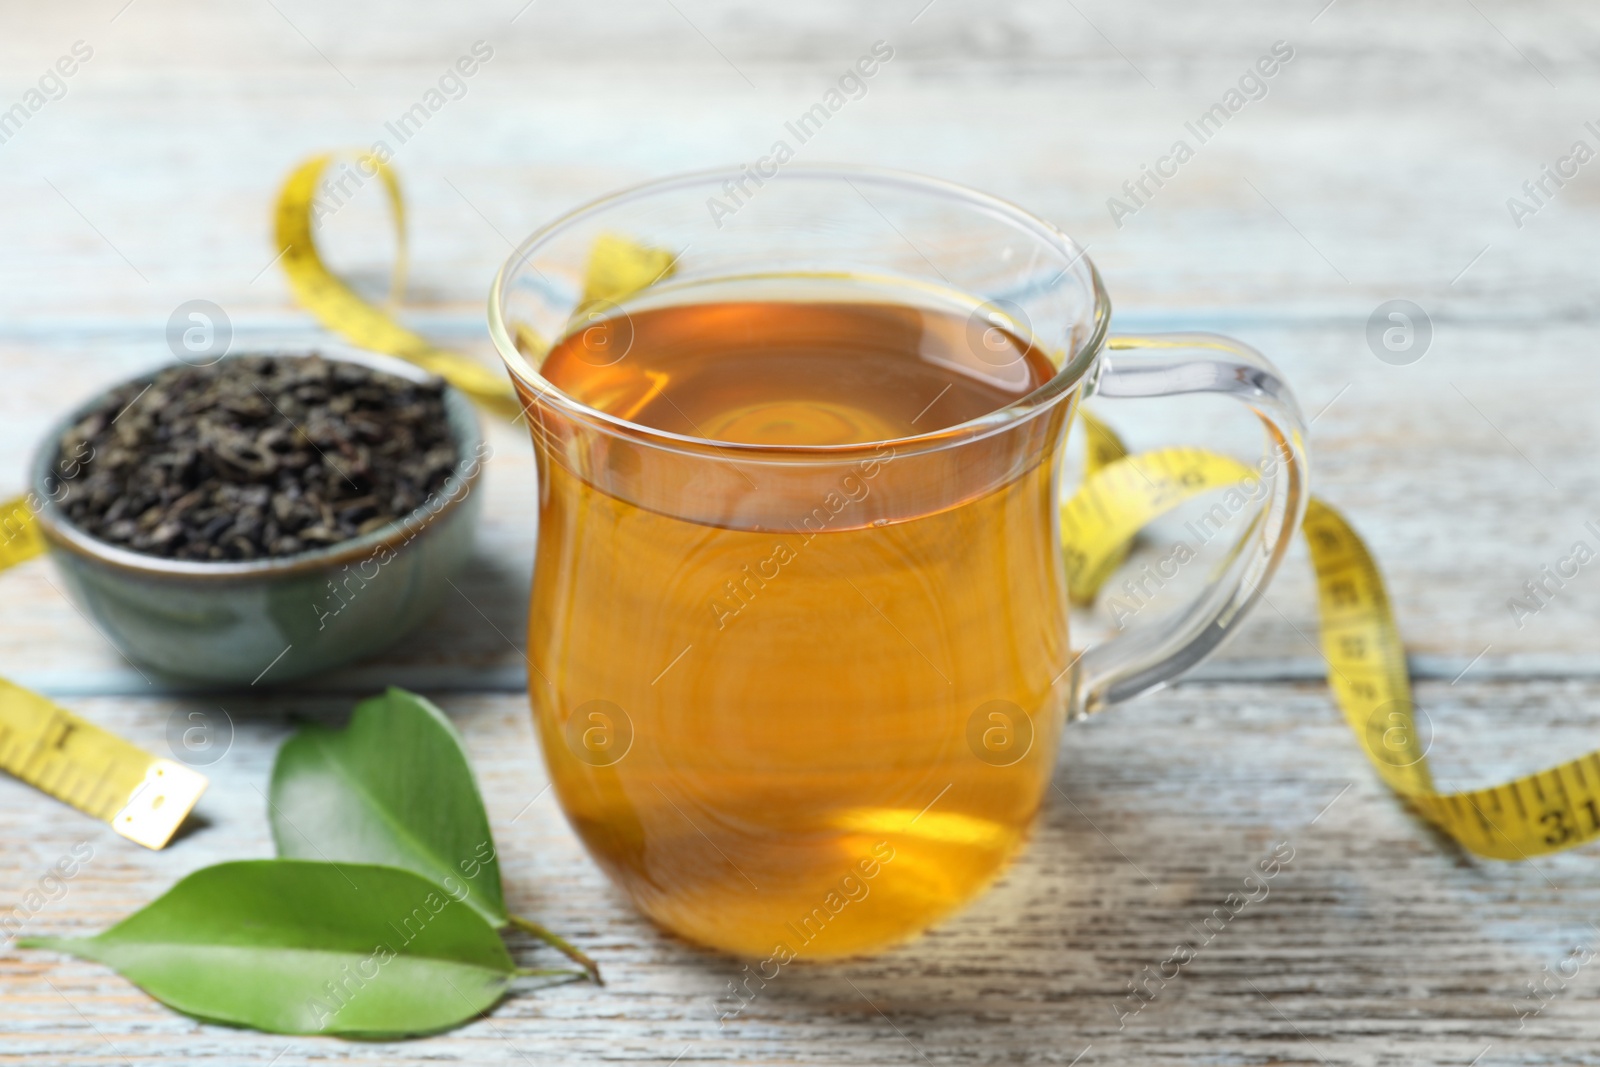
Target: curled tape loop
{"points": [[348, 314]]}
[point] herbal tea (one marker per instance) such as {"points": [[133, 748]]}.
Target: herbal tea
{"points": [[796, 723]]}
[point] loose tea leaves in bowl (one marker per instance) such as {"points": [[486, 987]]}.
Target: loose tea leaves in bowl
{"points": [[256, 457]]}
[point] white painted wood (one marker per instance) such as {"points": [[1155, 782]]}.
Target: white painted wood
{"points": [[1379, 943], [1378, 166]]}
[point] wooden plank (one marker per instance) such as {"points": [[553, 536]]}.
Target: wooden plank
{"points": [[1378, 165], [1377, 943]]}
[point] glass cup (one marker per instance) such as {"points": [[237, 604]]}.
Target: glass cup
{"points": [[856, 742]]}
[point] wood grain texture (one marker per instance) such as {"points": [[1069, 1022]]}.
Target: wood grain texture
{"points": [[1377, 166], [1378, 942]]}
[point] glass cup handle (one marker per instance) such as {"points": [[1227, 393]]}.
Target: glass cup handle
{"points": [[1173, 364]]}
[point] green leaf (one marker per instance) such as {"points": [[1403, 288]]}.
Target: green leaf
{"points": [[393, 788], [308, 948]]}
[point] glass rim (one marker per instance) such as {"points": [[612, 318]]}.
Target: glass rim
{"points": [[1073, 370]]}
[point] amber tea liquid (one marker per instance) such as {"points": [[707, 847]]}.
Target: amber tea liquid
{"points": [[809, 725]]}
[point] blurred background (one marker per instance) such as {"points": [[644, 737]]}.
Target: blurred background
{"points": [[1375, 164]]}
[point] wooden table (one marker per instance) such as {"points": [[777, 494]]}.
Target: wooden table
{"points": [[1378, 166]]}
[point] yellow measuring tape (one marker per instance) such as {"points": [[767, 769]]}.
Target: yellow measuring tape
{"points": [[348, 314], [617, 267], [20, 538], [144, 799], [1548, 811]]}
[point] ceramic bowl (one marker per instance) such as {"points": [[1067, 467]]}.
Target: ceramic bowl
{"points": [[277, 619]]}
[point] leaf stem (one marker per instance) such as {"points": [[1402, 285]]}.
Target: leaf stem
{"points": [[560, 943], [548, 972]]}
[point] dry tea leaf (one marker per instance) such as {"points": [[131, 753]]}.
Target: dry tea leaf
{"points": [[255, 456]]}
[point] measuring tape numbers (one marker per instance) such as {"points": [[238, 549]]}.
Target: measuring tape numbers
{"points": [[1539, 813]]}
